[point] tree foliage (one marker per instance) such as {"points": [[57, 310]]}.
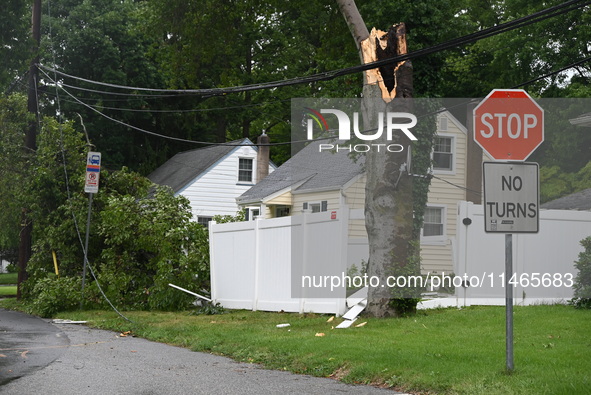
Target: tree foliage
{"points": [[15, 20], [582, 286], [13, 168], [142, 238]]}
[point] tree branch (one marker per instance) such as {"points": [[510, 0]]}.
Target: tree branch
{"points": [[355, 22]]}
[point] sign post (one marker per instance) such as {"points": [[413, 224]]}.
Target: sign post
{"points": [[93, 171], [509, 126]]}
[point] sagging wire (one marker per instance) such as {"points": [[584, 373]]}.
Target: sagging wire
{"points": [[67, 178]]}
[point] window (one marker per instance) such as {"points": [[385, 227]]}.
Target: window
{"points": [[204, 221], [316, 207], [282, 211], [433, 224], [245, 170], [443, 153], [251, 213]]}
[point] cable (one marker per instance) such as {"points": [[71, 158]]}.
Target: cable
{"points": [[329, 75], [290, 142], [67, 180], [570, 66], [456, 185], [164, 136]]}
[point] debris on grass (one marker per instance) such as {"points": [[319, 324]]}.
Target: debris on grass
{"points": [[346, 324], [60, 321]]}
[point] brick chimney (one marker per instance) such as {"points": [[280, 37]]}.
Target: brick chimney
{"points": [[263, 157]]}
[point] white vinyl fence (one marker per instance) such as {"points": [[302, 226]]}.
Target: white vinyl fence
{"points": [[543, 262], [253, 263]]}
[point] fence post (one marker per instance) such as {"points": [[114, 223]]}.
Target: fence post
{"points": [[212, 277], [257, 256], [304, 235]]}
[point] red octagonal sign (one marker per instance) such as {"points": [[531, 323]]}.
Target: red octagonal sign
{"points": [[508, 124]]}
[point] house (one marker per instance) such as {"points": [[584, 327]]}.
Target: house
{"points": [[317, 183], [213, 177]]}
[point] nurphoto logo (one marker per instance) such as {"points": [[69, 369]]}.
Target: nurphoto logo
{"points": [[388, 123]]}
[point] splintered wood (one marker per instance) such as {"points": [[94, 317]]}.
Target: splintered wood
{"points": [[382, 45]]}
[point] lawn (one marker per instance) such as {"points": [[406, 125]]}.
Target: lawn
{"points": [[8, 278], [7, 290], [445, 351]]}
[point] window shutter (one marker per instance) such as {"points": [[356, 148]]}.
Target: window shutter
{"points": [[324, 205], [305, 206]]}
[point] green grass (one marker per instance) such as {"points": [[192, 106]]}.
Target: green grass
{"points": [[8, 278], [445, 351], [7, 290]]}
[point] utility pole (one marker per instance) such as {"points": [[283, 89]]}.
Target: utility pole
{"points": [[30, 144]]}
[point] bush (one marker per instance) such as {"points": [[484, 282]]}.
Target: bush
{"points": [[582, 285], [54, 295], [11, 268]]}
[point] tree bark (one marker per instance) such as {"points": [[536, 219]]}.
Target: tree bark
{"points": [[388, 199]]}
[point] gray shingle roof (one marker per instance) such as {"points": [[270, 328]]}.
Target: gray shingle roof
{"points": [[582, 120], [308, 170], [185, 166], [576, 201]]}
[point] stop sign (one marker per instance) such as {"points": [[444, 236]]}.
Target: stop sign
{"points": [[508, 124]]}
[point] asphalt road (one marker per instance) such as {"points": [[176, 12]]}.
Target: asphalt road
{"points": [[40, 357]]}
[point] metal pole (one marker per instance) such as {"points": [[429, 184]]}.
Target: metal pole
{"points": [[509, 299], [86, 247]]}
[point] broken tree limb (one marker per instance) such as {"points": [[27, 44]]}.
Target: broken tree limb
{"points": [[395, 80], [189, 292]]}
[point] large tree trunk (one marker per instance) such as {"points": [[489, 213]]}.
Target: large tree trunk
{"points": [[388, 201]]}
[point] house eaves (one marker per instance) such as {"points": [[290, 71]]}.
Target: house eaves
{"points": [[313, 190]]}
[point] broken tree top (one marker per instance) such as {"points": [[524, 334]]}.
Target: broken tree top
{"points": [[382, 45]]}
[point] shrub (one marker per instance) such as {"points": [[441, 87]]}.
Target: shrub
{"points": [[582, 285], [54, 295]]}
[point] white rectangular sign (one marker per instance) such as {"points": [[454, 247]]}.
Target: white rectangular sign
{"points": [[511, 197], [93, 171]]}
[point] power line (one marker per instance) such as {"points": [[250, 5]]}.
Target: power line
{"points": [[280, 143], [329, 75]]}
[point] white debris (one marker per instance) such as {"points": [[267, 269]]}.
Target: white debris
{"points": [[60, 321], [346, 323]]}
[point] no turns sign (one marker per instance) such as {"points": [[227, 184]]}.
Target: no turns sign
{"points": [[511, 197]]}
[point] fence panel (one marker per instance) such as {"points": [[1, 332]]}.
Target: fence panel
{"points": [[543, 262], [253, 263]]}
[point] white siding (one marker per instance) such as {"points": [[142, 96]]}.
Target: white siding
{"points": [[355, 199], [215, 191]]}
